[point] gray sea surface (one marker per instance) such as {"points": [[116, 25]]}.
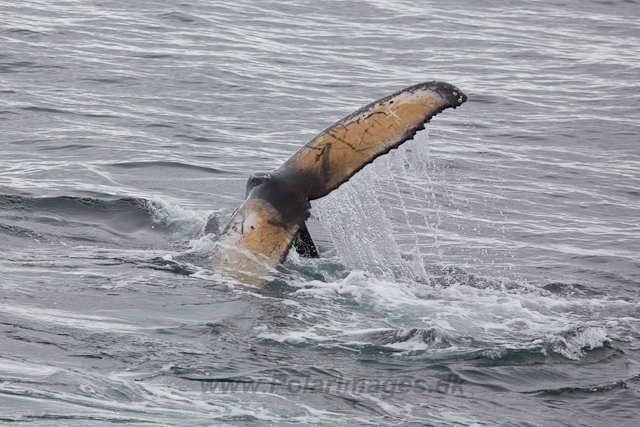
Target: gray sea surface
{"points": [[485, 273]]}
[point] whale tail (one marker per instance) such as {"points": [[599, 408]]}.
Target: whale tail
{"points": [[261, 232]]}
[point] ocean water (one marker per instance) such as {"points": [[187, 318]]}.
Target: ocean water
{"points": [[486, 273]]}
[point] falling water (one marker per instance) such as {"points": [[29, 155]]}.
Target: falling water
{"points": [[365, 215]]}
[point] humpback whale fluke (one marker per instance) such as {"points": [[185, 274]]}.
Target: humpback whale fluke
{"points": [[263, 229]]}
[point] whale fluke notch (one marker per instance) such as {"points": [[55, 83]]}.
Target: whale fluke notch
{"points": [[261, 232]]}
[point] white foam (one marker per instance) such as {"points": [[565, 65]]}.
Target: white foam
{"points": [[178, 219], [203, 245], [49, 316], [457, 318], [13, 367], [574, 347]]}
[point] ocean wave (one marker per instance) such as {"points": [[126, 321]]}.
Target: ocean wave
{"points": [[60, 216]]}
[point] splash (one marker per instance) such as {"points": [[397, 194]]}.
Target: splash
{"points": [[176, 218], [384, 217], [419, 209]]}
